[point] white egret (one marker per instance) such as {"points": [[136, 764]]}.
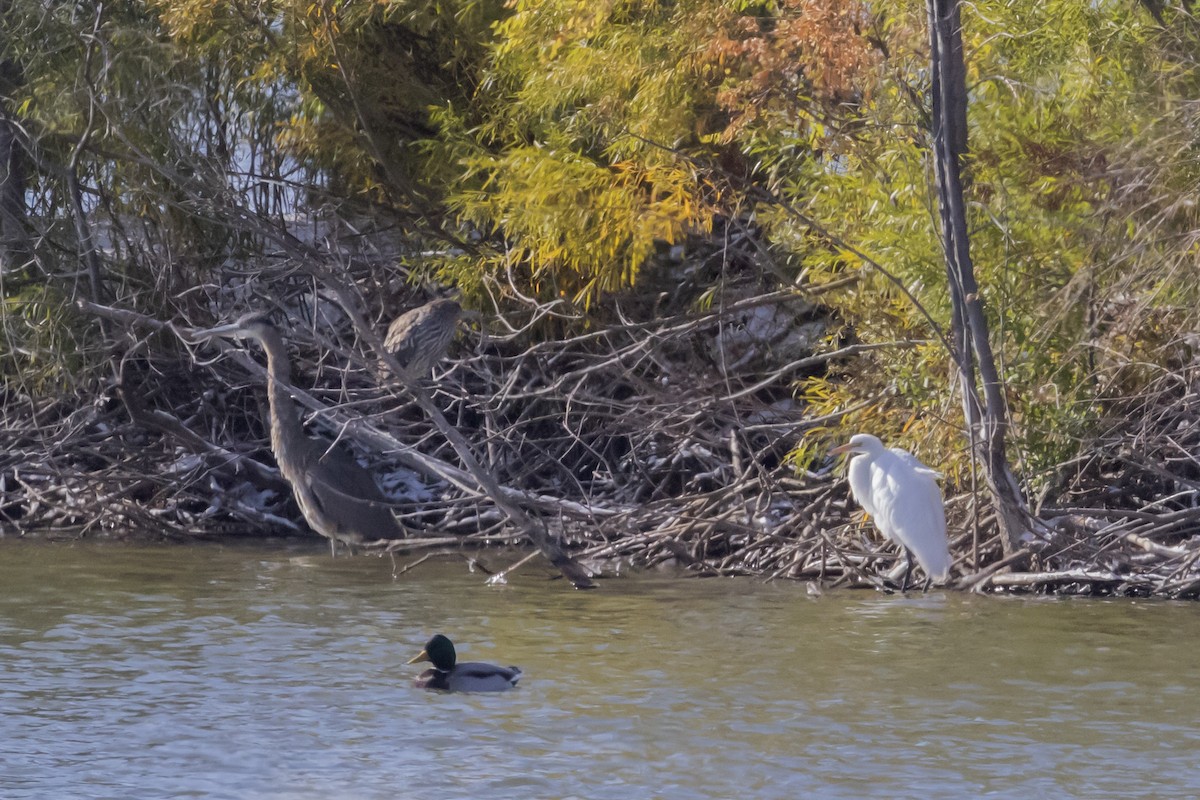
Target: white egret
{"points": [[902, 496]]}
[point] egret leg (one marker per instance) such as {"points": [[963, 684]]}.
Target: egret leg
{"points": [[332, 547], [907, 570]]}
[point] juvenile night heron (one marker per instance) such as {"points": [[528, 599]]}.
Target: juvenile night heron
{"points": [[903, 499], [419, 338], [338, 498]]}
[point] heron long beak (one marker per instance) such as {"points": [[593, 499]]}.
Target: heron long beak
{"points": [[421, 656], [842, 448], [205, 334]]}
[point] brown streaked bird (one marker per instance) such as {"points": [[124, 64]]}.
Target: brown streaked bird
{"points": [[419, 338], [338, 498]]}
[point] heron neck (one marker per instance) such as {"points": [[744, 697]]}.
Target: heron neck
{"points": [[286, 430]]}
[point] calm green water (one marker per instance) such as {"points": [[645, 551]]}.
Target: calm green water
{"points": [[272, 672]]}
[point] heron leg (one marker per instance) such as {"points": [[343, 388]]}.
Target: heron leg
{"points": [[332, 547]]}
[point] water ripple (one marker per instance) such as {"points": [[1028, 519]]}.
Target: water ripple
{"points": [[252, 673]]}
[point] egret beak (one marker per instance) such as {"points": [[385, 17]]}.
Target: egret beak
{"points": [[421, 656], [842, 448]]}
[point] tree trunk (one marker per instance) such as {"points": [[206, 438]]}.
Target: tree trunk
{"points": [[987, 419], [16, 250]]}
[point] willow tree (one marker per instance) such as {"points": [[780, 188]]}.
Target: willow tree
{"points": [[584, 148]]}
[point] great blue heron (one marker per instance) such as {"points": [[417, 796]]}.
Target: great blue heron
{"points": [[419, 338], [338, 498]]}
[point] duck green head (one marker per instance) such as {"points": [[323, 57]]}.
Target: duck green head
{"points": [[439, 651]]}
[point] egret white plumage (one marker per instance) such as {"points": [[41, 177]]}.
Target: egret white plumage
{"points": [[902, 497]]}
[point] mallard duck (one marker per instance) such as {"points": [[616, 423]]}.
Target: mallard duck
{"points": [[470, 676]]}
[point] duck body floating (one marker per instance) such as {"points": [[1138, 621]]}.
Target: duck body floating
{"points": [[448, 675]]}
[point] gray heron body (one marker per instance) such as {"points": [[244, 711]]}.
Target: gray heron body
{"points": [[338, 498]]}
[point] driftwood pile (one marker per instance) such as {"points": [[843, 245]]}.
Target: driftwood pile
{"points": [[640, 444], [1126, 517]]}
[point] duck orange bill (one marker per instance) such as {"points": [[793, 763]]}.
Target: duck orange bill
{"points": [[421, 656]]}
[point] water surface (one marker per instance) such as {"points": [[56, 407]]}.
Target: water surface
{"points": [[271, 671]]}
